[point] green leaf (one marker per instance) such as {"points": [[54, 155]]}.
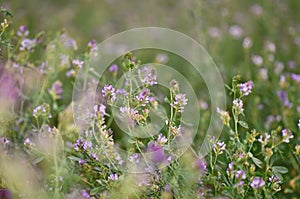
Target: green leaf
{"points": [[244, 124], [280, 169], [96, 190], [38, 160], [256, 161]]}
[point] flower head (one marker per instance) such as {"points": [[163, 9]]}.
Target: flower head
{"points": [[113, 177], [240, 174], [148, 76], [257, 183], [109, 92], [143, 97], [27, 44], [56, 91], [180, 102], [238, 104], [287, 135], [219, 147], [246, 87], [114, 69], [23, 31]]}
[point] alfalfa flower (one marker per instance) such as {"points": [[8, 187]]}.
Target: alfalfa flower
{"points": [[114, 69], [180, 102], [23, 31], [27, 44], [246, 88], [143, 97], [108, 92], [287, 135], [264, 140], [56, 90], [148, 76], [238, 105], [113, 177], [257, 182], [219, 147], [161, 139]]}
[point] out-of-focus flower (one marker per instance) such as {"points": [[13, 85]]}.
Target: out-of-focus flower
{"points": [[27, 142], [257, 183], [109, 92], [214, 32], [263, 73], [256, 9], [247, 43], [135, 158], [68, 41], [283, 96], [42, 110], [224, 115], [23, 31], [287, 135], [85, 194], [201, 164], [114, 69], [78, 64], [148, 76], [113, 177], [295, 77], [219, 147], [143, 97], [122, 92], [162, 58], [180, 102], [279, 66], [257, 60], [93, 48], [271, 46], [236, 31], [157, 153], [246, 87], [292, 64], [27, 44], [6, 194], [56, 91]]}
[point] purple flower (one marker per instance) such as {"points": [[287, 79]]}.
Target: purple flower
{"points": [[85, 194], [5, 194], [257, 183], [122, 92], [230, 168], [266, 140], [180, 102], [238, 104], [109, 92], [283, 96], [9, 89], [143, 97], [23, 31], [295, 77], [157, 153], [68, 41], [135, 158], [240, 174], [99, 109], [82, 144], [27, 44], [287, 135], [92, 47], [56, 90], [161, 139], [246, 87], [94, 156], [219, 147], [236, 31], [148, 76], [113, 177], [78, 64], [201, 164], [4, 141], [114, 69], [27, 142], [275, 179]]}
